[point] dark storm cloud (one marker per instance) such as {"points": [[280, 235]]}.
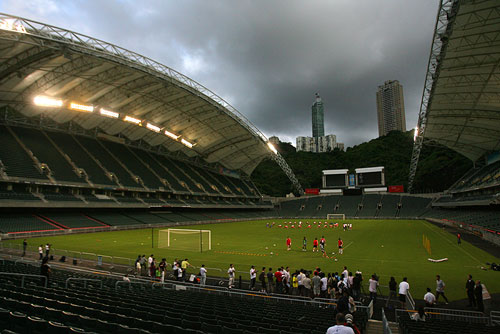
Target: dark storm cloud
{"points": [[268, 58]]}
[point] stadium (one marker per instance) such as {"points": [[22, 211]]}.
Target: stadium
{"points": [[116, 169]]}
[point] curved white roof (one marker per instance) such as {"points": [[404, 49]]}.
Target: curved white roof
{"points": [[38, 59]]}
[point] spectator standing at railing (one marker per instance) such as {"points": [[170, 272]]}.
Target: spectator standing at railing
{"points": [[286, 280], [137, 264], [262, 279], [300, 282], [478, 293], [40, 251], [373, 285], [307, 286], [203, 275], [25, 245], [403, 291], [316, 284], [162, 266], [349, 322], [253, 277], [150, 260], [440, 289], [270, 280], [469, 287], [143, 262], [230, 273], [47, 250], [279, 280], [392, 291], [184, 265], [356, 285], [324, 285]]}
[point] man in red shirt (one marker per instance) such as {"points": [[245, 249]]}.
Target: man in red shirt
{"points": [[288, 243], [341, 246], [459, 238], [279, 280], [315, 245]]}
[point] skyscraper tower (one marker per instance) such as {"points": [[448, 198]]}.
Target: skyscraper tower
{"points": [[318, 117], [390, 108]]}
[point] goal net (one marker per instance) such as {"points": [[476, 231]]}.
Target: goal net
{"points": [[184, 239], [335, 216]]}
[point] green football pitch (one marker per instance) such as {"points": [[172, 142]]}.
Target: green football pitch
{"points": [[385, 247]]}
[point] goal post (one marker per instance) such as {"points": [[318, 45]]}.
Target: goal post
{"points": [[335, 216], [185, 239]]}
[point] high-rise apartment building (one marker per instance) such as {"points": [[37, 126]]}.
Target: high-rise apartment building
{"points": [[390, 108], [318, 118]]}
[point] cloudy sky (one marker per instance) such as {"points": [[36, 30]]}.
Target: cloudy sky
{"points": [[268, 58]]}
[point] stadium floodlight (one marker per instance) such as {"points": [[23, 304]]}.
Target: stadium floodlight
{"points": [[153, 127], [272, 148], [186, 143], [81, 107], [132, 120], [44, 101], [109, 113], [415, 134], [171, 135]]}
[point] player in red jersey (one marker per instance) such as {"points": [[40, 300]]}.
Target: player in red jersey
{"points": [[288, 243], [315, 245], [341, 246]]}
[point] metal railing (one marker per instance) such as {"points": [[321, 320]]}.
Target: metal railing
{"points": [[450, 315], [385, 323], [23, 277], [495, 317]]}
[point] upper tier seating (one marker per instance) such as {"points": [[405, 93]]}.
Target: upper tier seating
{"points": [[47, 153], [15, 159], [133, 164], [97, 150], [181, 175], [81, 159], [17, 196], [484, 177]]}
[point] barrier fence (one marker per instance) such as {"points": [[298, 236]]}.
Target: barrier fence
{"points": [[454, 315]]}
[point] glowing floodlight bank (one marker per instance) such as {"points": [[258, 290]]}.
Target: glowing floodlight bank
{"points": [[171, 135], [153, 127], [272, 148], [132, 120], [186, 143], [109, 113], [81, 107], [44, 101]]}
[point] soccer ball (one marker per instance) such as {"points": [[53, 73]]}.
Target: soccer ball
{"points": [[382, 246], [336, 260], [274, 245], [333, 253], [266, 247], [271, 253]]}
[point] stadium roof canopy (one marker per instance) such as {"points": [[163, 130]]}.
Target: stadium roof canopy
{"points": [[38, 59], [461, 100]]}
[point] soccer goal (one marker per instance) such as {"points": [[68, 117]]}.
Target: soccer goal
{"points": [[335, 216], [184, 239]]}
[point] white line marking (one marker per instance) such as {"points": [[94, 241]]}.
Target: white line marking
{"points": [[349, 244]]}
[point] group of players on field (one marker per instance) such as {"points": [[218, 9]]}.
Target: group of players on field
{"points": [[316, 242]]}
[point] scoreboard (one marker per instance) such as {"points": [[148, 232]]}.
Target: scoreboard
{"points": [[335, 178], [368, 177]]}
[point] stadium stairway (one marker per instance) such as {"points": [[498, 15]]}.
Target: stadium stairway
{"points": [[376, 327]]}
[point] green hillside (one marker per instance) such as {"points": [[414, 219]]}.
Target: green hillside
{"points": [[438, 168]]}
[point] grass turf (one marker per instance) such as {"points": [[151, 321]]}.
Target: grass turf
{"points": [[388, 248]]}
